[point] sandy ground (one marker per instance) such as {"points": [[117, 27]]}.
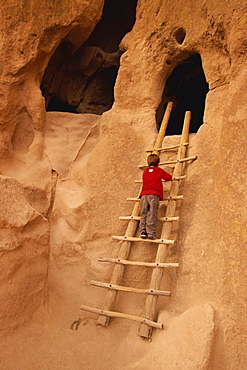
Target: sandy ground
{"points": [[49, 343]]}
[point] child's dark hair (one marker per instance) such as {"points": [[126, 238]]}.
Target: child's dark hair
{"points": [[153, 160]]}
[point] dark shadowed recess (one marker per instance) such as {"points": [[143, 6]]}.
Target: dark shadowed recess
{"points": [[81, 79], [187, 88]]}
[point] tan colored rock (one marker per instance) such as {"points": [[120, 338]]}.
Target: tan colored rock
{"points": [[65, 134], [24, 250], [97, 161], [185, 343], [28, 44]]}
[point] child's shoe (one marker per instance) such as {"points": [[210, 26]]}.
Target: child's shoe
{"points": [[152, 237], [144, 234]]}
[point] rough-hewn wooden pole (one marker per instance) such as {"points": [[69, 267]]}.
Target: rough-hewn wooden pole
{"points": [[119, 269], [151, 301], [163, 127], [130, 231]]}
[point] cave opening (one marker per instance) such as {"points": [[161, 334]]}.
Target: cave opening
{"points": [[81, 79], [187, 88]]}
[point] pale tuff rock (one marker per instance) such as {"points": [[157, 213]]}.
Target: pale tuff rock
{"points": [[185, 343], [65, 134], [66, 176], [24, 251]]}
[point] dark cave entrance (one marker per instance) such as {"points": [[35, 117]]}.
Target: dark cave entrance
{"points": [[81, 79], [187, 88]]}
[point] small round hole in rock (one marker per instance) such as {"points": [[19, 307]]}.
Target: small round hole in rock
{"points": [[179, 35]]}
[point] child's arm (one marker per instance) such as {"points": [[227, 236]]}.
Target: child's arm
{"points": [[167, 176]]}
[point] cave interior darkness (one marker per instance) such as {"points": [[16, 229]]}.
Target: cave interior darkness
{"points": [[81, 79], [187, 88]]}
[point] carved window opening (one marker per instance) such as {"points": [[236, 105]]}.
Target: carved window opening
{"points": [[81, 79], [187, 88]]}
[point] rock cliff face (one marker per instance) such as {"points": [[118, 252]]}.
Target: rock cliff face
{"points": [[83, 88]]}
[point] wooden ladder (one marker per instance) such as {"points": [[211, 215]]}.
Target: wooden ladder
{"points": [[153, 292]]}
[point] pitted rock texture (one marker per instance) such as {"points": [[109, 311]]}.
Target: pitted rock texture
{"points": [[65, 177], [24, 251]]}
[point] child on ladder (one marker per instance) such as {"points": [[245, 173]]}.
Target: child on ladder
{"points": [[151, 193]]}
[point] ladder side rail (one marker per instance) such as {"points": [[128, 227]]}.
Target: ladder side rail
{"points": [[118, 271], [163, 127], [151, 301]]}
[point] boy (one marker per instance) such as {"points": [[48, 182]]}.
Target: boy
{"points": [[152, 191]]}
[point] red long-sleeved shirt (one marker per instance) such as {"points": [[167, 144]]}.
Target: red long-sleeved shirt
{"points": [[152, 183]]}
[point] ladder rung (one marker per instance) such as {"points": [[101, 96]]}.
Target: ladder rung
{"points": [[129, 289], [123, 316], [174, 178], [172, 197], [168, 218], [167, 147], [179, 177], [172, 162], [134, 239], [137, 218], [179, 160], [135, 263]]}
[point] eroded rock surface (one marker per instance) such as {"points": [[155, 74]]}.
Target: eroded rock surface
{"points": [[24, 251], [186, 342], [65, 176]]}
